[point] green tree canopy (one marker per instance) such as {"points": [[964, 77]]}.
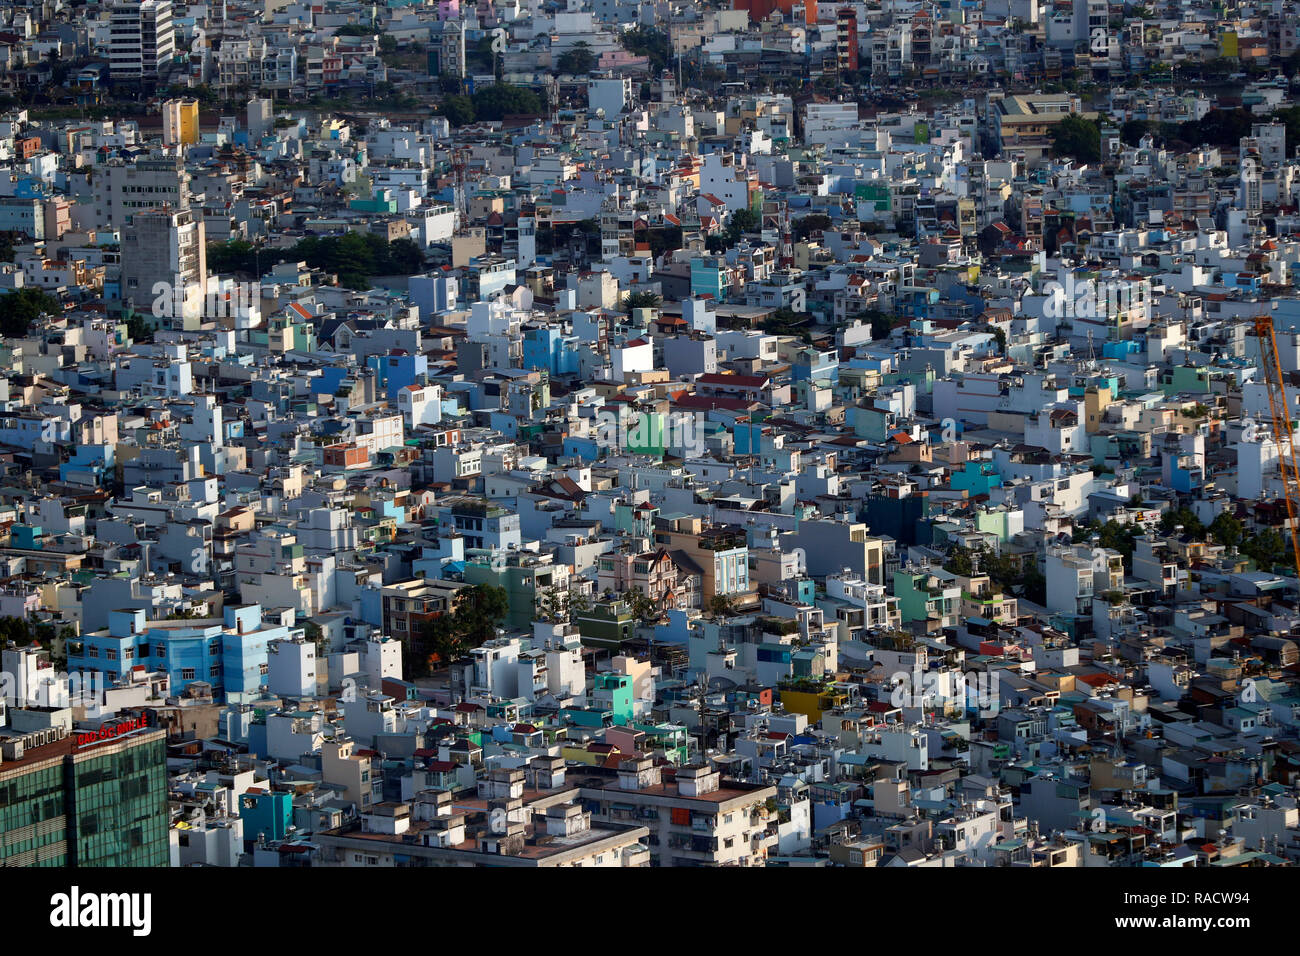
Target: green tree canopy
{"points": [[479, 609], [1218, 127], [648, 42], [500, 100], [472, 620], [804, 226], [1133, 130], [1267, 548], [19, 309], [1191, 524], [354, 257], [578, 61], [640, 300], [458, 109], [1077, 137], [1227, 530]]}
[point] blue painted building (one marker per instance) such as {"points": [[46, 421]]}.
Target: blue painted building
{"points": [[396, 372], [976, 478], [548, 349], [265, 814], [231, 655], [812, 365]]}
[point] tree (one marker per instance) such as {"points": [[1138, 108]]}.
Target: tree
{"points": [[1218, 127], [1266, 548], [438, 641], [1290, 118], [16, 629], [458, 109], [648, 42], [807, 225], [316, 635], [577, 61], [556, 604], [662, 239], [354, 257], [552, 605], [640, 300], [1035, 585], [1133, 130], [472, 620], [721, 605], [788, 322], [237, 255], [1002, 569], [479, 609], [404, 257], [960, 561], [881, 324], [1121, 538], [1227, 530], [1191, 524], [19, 309], [1077, 137], [500, 100], [742, 221], [643, 609], [138, 330], [1116, 537]]}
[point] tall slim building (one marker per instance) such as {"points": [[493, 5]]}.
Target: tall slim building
{"points": [[164, 265], [142, 39], [846, 39], [180, 122], [261, 116], [85, 799]]}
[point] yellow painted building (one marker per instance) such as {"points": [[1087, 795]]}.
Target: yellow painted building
{"points": [[181, 122], [812, 701], [1096, 399]]}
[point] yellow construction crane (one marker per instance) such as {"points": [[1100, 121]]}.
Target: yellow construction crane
{"points": [[1280, 411]]}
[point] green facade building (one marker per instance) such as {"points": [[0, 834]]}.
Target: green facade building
{"points": [[69, 803]]}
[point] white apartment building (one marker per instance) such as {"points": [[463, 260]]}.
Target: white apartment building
{"points": [[142, 39]]}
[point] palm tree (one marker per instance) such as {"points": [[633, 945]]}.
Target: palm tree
{"points": [[640, 300]]}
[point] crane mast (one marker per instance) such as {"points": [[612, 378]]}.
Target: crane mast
{"points": [[1280, 411]]}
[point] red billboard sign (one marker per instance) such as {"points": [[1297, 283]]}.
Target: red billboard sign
{"points": [[111, 731]]}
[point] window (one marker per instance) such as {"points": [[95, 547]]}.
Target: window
{"points": [[92, 652], [187, 673]]}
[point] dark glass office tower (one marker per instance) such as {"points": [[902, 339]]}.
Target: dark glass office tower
{"points": [[71, 803], [33, 802]]}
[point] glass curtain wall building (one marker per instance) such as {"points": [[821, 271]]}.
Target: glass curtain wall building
{"points": [[98, 804]]}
